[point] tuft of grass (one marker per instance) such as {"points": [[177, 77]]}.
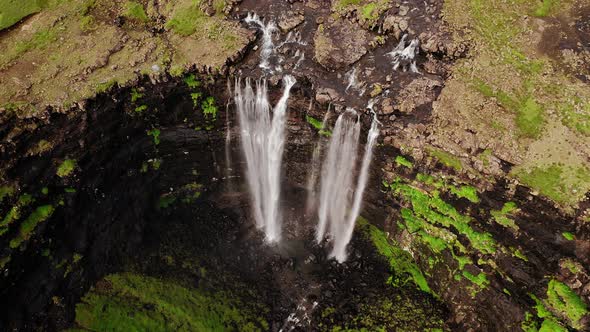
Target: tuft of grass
{"points": [[40, 40], [187, 21], [155, 133], [369, 11], [66, 168], [141, 108], [401, 262], [191, 81], [468, 192], [6, 192], [41, 214], [568, 236], [554, 182], [446, 159], [501, 216], [566, 303], [401, 160], [135, 95], [545, 8], [209, 108], [135, 10], [15, 212], [529, 119], [12, 11]]}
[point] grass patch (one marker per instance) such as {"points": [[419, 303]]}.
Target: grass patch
{"points": [[568, 236], [402, 161], [400, 261], [131, 302], [467, 192], [12, 11], [555, 181], [66, 168], [545, 8], [40, 40], [429, 210], [155, 133], [41, 214], [209, 108], [15, 212], [188, 20], [6, 192], [501, 216], [135, 10], [446, 159], [566, 303]]}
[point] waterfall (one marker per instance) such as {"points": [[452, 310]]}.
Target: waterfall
{"points": [[263, 142], [267, 43], [337, 172], [344, 234], [228, 165], [339, 202], [405, 56]]}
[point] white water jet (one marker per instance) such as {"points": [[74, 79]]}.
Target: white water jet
{"points": [[228, 164], [340, 202], [338, 173], [263, 143], [344, 234], [405, 56], [267, 43]]}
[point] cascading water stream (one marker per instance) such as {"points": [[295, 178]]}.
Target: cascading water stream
{"points": [[340, 203], [337, 173], [344, 233], [263, 142], [268, 46]]}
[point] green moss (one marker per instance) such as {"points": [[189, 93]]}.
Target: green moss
{"points": [[518, 254], [66, 168], [480, 281], [568, 236], [545, 8], [429, 210], [529, 324], [15, 212], [446, 159], [135, 10], [12, 11], [400, 160], [133, 302], [166, 201], [550, 325], [45, 190], [345, 3], [566, 303], [141, 108], [6, 192], [369, 11], [187, 21], [41, 214], [554, 182], [87, 23], [209, 108], [530, 119], [317, 124], [468, 192], [401, 262], [191, 81], [135, 95], [155, 133], [196, 97], [501, 216], [39, 40]]}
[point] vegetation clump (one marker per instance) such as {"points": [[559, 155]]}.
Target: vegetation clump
{"points": [[446, 159], [66, 168], [135, 10], [41, 214], [12, 11], [501, 216], [132, 302]]}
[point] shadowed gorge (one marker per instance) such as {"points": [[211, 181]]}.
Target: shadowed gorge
{"points": [[367, 165]]}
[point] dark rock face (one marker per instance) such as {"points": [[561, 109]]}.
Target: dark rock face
{"points": [[340, 44]]}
